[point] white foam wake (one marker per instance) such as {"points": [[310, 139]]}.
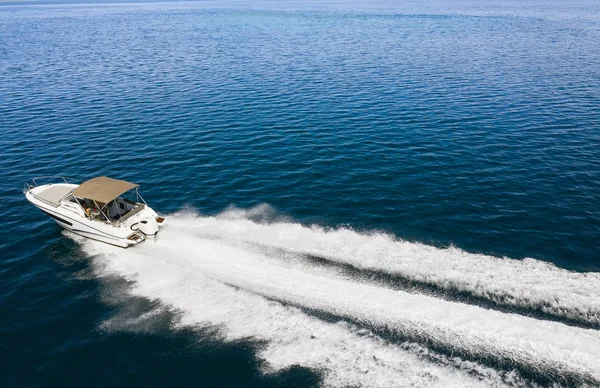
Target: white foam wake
{"points": [[524, 283], [343, 353], [191, 272]]}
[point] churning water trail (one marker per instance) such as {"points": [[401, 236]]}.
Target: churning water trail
{"points": [[382, 334], [525, 285], [345, 354]]}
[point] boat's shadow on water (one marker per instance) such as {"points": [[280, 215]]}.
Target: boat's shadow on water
{"points": [[119, 334]]}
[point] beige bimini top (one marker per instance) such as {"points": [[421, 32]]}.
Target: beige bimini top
{"points": [[103, 189]]}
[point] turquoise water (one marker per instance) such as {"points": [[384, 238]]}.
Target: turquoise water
{"points": [[358, 194]]}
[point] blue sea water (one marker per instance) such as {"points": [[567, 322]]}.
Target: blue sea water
{"points": [[358, 193]]}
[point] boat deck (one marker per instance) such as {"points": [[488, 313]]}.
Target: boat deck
{"points": [[53, 194]]}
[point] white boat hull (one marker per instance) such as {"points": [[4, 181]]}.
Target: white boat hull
{"points": [[73, 218]]}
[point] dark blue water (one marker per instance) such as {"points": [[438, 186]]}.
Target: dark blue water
{"points": [[448, 150]]}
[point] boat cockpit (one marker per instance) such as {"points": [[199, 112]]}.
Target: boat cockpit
{"points": [[102, 199], [119, 209]]}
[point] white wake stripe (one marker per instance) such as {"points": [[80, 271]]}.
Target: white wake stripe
{"points": [[169, 268], [346, 356], [524, 283]]}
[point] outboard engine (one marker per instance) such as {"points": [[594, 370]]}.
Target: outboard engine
{"points": [[149, 227]]}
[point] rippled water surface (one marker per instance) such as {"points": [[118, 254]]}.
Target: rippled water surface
{"points": [[358, 193]]}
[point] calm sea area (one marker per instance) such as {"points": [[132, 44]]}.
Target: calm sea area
{"points": [[358, 193]]}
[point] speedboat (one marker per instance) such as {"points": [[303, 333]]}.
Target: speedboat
{"points": [[102, 208]]}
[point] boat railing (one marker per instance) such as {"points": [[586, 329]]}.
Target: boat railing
{"points": [[55, 177]]}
